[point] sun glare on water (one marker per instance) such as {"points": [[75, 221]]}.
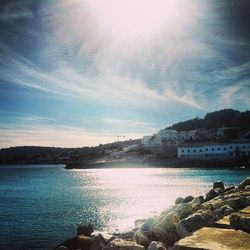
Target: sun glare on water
{"points": [[140, 18]]}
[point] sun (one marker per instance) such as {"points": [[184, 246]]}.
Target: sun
{"points": [[138, 18]]}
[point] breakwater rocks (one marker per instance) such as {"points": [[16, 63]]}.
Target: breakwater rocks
{"points": [[218, 220]]}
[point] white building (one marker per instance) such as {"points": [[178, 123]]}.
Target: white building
{"points": [[169, 136], [214, 150]]}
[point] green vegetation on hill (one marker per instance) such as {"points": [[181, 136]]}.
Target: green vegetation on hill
{"points": [[215, 120]]}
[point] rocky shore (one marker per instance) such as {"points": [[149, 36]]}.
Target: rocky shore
{"points": [[218, 220]]}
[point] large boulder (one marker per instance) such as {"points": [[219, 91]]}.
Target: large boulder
{"points": [[185, 209], [219, 184], [244, 183], [84, 229], [164, 229], [156, 245], [210, 195], [81, 242], [194, 222], [120, 244], [179, 200], [142, 234], [240, 222], [187, 199]]}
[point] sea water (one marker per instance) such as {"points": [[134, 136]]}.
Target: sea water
{"points": [[41, 205]]}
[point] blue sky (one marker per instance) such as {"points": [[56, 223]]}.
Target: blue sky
{"points": [[80, 72]]}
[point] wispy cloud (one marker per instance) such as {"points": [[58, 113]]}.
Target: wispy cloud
{"points": [[42, 131]]}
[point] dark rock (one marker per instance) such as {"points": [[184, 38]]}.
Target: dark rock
{"points": [[230, 188], [84, 229], [62, 248], [195, 222], [244, 183], [219, 184], [82, 242], [240, 222], [187, 199], [179, 200], [210, 195], [156, 245]]}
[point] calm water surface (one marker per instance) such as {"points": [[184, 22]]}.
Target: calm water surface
{"points": [[41, 205]]}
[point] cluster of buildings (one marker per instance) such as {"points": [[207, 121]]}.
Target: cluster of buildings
{"points": [[169, 136], [187, 146]]}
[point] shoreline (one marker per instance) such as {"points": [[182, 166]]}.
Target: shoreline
{"points": [[156, 162], [191, 223]]}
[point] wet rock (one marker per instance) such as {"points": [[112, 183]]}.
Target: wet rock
{"points": [[84, 229], [179, 200], [198, 200], [120, 244], [188, 199], [142, 235], [210, 195], [156, 245], [219, 184], [247, 188], [195, 222], [240, 222], [244, 183], [164, 229]]}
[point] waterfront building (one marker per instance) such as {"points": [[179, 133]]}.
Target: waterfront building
{"points": [[214, 150]]}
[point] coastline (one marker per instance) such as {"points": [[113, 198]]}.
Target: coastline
{"points": [[157, 162], [218, 220]]}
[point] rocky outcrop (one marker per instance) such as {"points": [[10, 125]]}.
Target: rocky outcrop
{"points": [[84, 229], [186, 221]]}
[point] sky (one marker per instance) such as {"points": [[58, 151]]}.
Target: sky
{"points": [[77, 73]]}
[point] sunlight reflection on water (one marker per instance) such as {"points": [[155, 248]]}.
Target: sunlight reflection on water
{"points": [[137, 193]]}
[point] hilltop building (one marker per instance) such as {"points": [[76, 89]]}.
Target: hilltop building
{"points": [[169, 136]]}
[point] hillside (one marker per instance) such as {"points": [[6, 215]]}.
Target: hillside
{"points": [[215, 120]]}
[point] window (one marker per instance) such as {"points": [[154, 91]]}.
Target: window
{"points": [[212, 149], [194, 150], [243, 146], [231, 147], [200, 150], [182, 150], [206, 149], [218, 149], [225, 149], [188, 151]]}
